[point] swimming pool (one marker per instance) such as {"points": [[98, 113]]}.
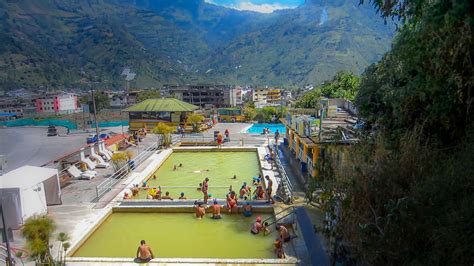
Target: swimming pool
{"points": [[177, 235], [258, 128], [219, 166]]}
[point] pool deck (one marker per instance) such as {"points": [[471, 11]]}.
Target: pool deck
{"points": [[78, 218]]}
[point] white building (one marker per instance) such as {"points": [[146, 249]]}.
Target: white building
{"points": [[61, 103]]}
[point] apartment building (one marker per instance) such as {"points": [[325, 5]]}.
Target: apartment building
{"points": [[207, 96], [266, 97], [59, 103]]}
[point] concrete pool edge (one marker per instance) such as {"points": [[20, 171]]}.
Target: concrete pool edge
{"points": [[289, 261]]}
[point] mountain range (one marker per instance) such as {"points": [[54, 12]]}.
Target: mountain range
{"points": [[67, 43]]}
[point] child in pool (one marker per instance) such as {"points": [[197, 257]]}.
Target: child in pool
{"points": [[182, 197], [265, 228], [247, 209]]}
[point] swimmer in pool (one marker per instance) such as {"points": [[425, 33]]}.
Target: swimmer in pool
{"points": [[180, 165], [154, 177], [144, 252], [284, 234], [265, 228], [257, 226], [182, 197], [234, 177], [216, 210], [232, 201], [199, 187], [167, 196], [201, 171], [199, 209], [175, 168], [204, 189], [247, 209]]}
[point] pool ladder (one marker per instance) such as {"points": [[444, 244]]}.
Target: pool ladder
{"points": [[285, 213]]}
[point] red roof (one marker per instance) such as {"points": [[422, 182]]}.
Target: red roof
{"points": [[114, 139]]}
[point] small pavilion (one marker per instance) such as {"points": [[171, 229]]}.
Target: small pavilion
{"points": [[149, 113]]}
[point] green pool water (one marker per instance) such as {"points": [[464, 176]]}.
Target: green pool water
{"points": [[180, 235], [222, 167]]}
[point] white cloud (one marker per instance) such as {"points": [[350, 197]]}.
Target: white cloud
{"points": [[249, 6]]}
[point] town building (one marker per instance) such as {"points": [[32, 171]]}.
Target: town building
{"points": [[59, 103], [147, 114], [266, 97], [207, 96], [312, 134]]}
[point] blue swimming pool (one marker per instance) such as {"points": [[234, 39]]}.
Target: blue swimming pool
{"points": [[258, 128]]}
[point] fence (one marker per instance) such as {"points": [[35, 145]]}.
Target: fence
{"points": [[124, 171], [33, 122]]}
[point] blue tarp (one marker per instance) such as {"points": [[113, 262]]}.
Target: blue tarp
{"points": [[8, 114], [32, 122]]}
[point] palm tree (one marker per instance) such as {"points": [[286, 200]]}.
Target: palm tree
{"points": [[37, 231]]}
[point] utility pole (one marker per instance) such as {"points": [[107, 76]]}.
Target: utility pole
{"points": [[95, 115]]}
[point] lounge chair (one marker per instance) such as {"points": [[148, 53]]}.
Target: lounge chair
{"points": [[100, 161], [92, 165], [76, 173]]}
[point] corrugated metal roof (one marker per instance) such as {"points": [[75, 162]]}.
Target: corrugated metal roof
{"points": [[162, 105]]}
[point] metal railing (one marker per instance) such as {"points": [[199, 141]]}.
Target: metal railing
{"points": [[124, 171], [282, 217], [286, 188]]}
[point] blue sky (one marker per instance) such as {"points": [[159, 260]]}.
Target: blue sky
{"points": [[263, 6]]}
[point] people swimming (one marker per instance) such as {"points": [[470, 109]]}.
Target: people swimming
{"points": [[154, 177], [180, 165], [256, 181], [265, 228], [231, 201], [182, 197], [257, 226], [279, 248], [201, 171], [199, 187], [175, 167], [152, 193], [284, 234], [167, 196], [259, 193], [199, 210], [244, 190], [234, 177], [247, 209], [216, 210], [144, 252], [135, 190], [205, 188], [126, 196]]}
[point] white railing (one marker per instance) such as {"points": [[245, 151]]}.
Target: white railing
{"points": [[124, 171], [285, 182], [310, 165]]}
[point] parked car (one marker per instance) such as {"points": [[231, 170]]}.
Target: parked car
{"points": [[52, 131], [92, 138]]}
